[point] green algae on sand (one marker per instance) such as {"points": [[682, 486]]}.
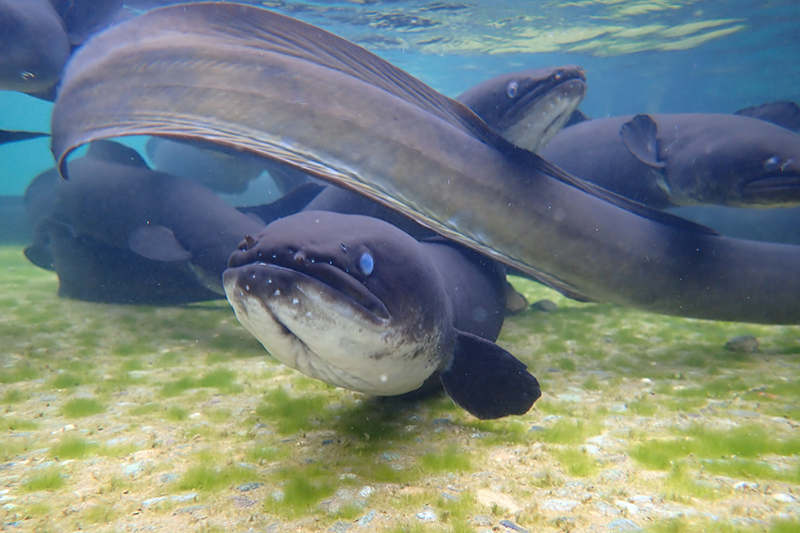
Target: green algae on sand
{"points": [[193, 414]]}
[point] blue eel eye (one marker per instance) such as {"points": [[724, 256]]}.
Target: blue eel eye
{"points": [[366, 263], [511, 89]]}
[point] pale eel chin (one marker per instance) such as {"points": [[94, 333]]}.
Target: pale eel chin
{"points": [[545, 116], [313, 328]]}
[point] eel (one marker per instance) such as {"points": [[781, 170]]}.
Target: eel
{"points": [[120, 232], [529, 107], [355, 302], [249, 79], [671, 160]]}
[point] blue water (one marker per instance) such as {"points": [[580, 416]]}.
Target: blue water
{"points": [[639, 56]]}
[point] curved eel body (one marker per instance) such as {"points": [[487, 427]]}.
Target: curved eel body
{"points": [[254, 80]]}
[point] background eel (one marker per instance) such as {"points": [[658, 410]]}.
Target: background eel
{"points": [[257, 81], [669, 160], [528, 108], [121, 232]]}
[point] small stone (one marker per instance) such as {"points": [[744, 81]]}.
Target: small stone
{"points": [[427, 516], [482, 520], [749, 523], [743, 413], [560, 505], [641, 499], [626, 507], [511, 525], [189, 496], [570, 397], [389, 456], [246, 487], [340, 527], [366, 492], [622, 524], [591, 449], [606, 509], [366, 519], [168, 477], [152, 502], [546, 306], [345, 495], [783, 497], [133, 469], [190, 509], [743, 343], [745, 485], [242, 502]]}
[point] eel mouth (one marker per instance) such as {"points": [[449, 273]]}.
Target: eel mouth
{"points": [[301, 321], [269, 281], [565, 83], [533, 121], [775, 185]]}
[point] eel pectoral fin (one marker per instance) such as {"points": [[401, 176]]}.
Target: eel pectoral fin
{"points": [[640, 135], [157, 243], [487, 381], [40, 255]]}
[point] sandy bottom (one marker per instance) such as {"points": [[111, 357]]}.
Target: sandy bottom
{"points": [[174, 419]]}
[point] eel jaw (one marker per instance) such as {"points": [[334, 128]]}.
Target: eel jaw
{"points": [[311, 327]]}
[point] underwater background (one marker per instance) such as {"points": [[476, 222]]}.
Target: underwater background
{"points": [[639, 56], [122, 418]]}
